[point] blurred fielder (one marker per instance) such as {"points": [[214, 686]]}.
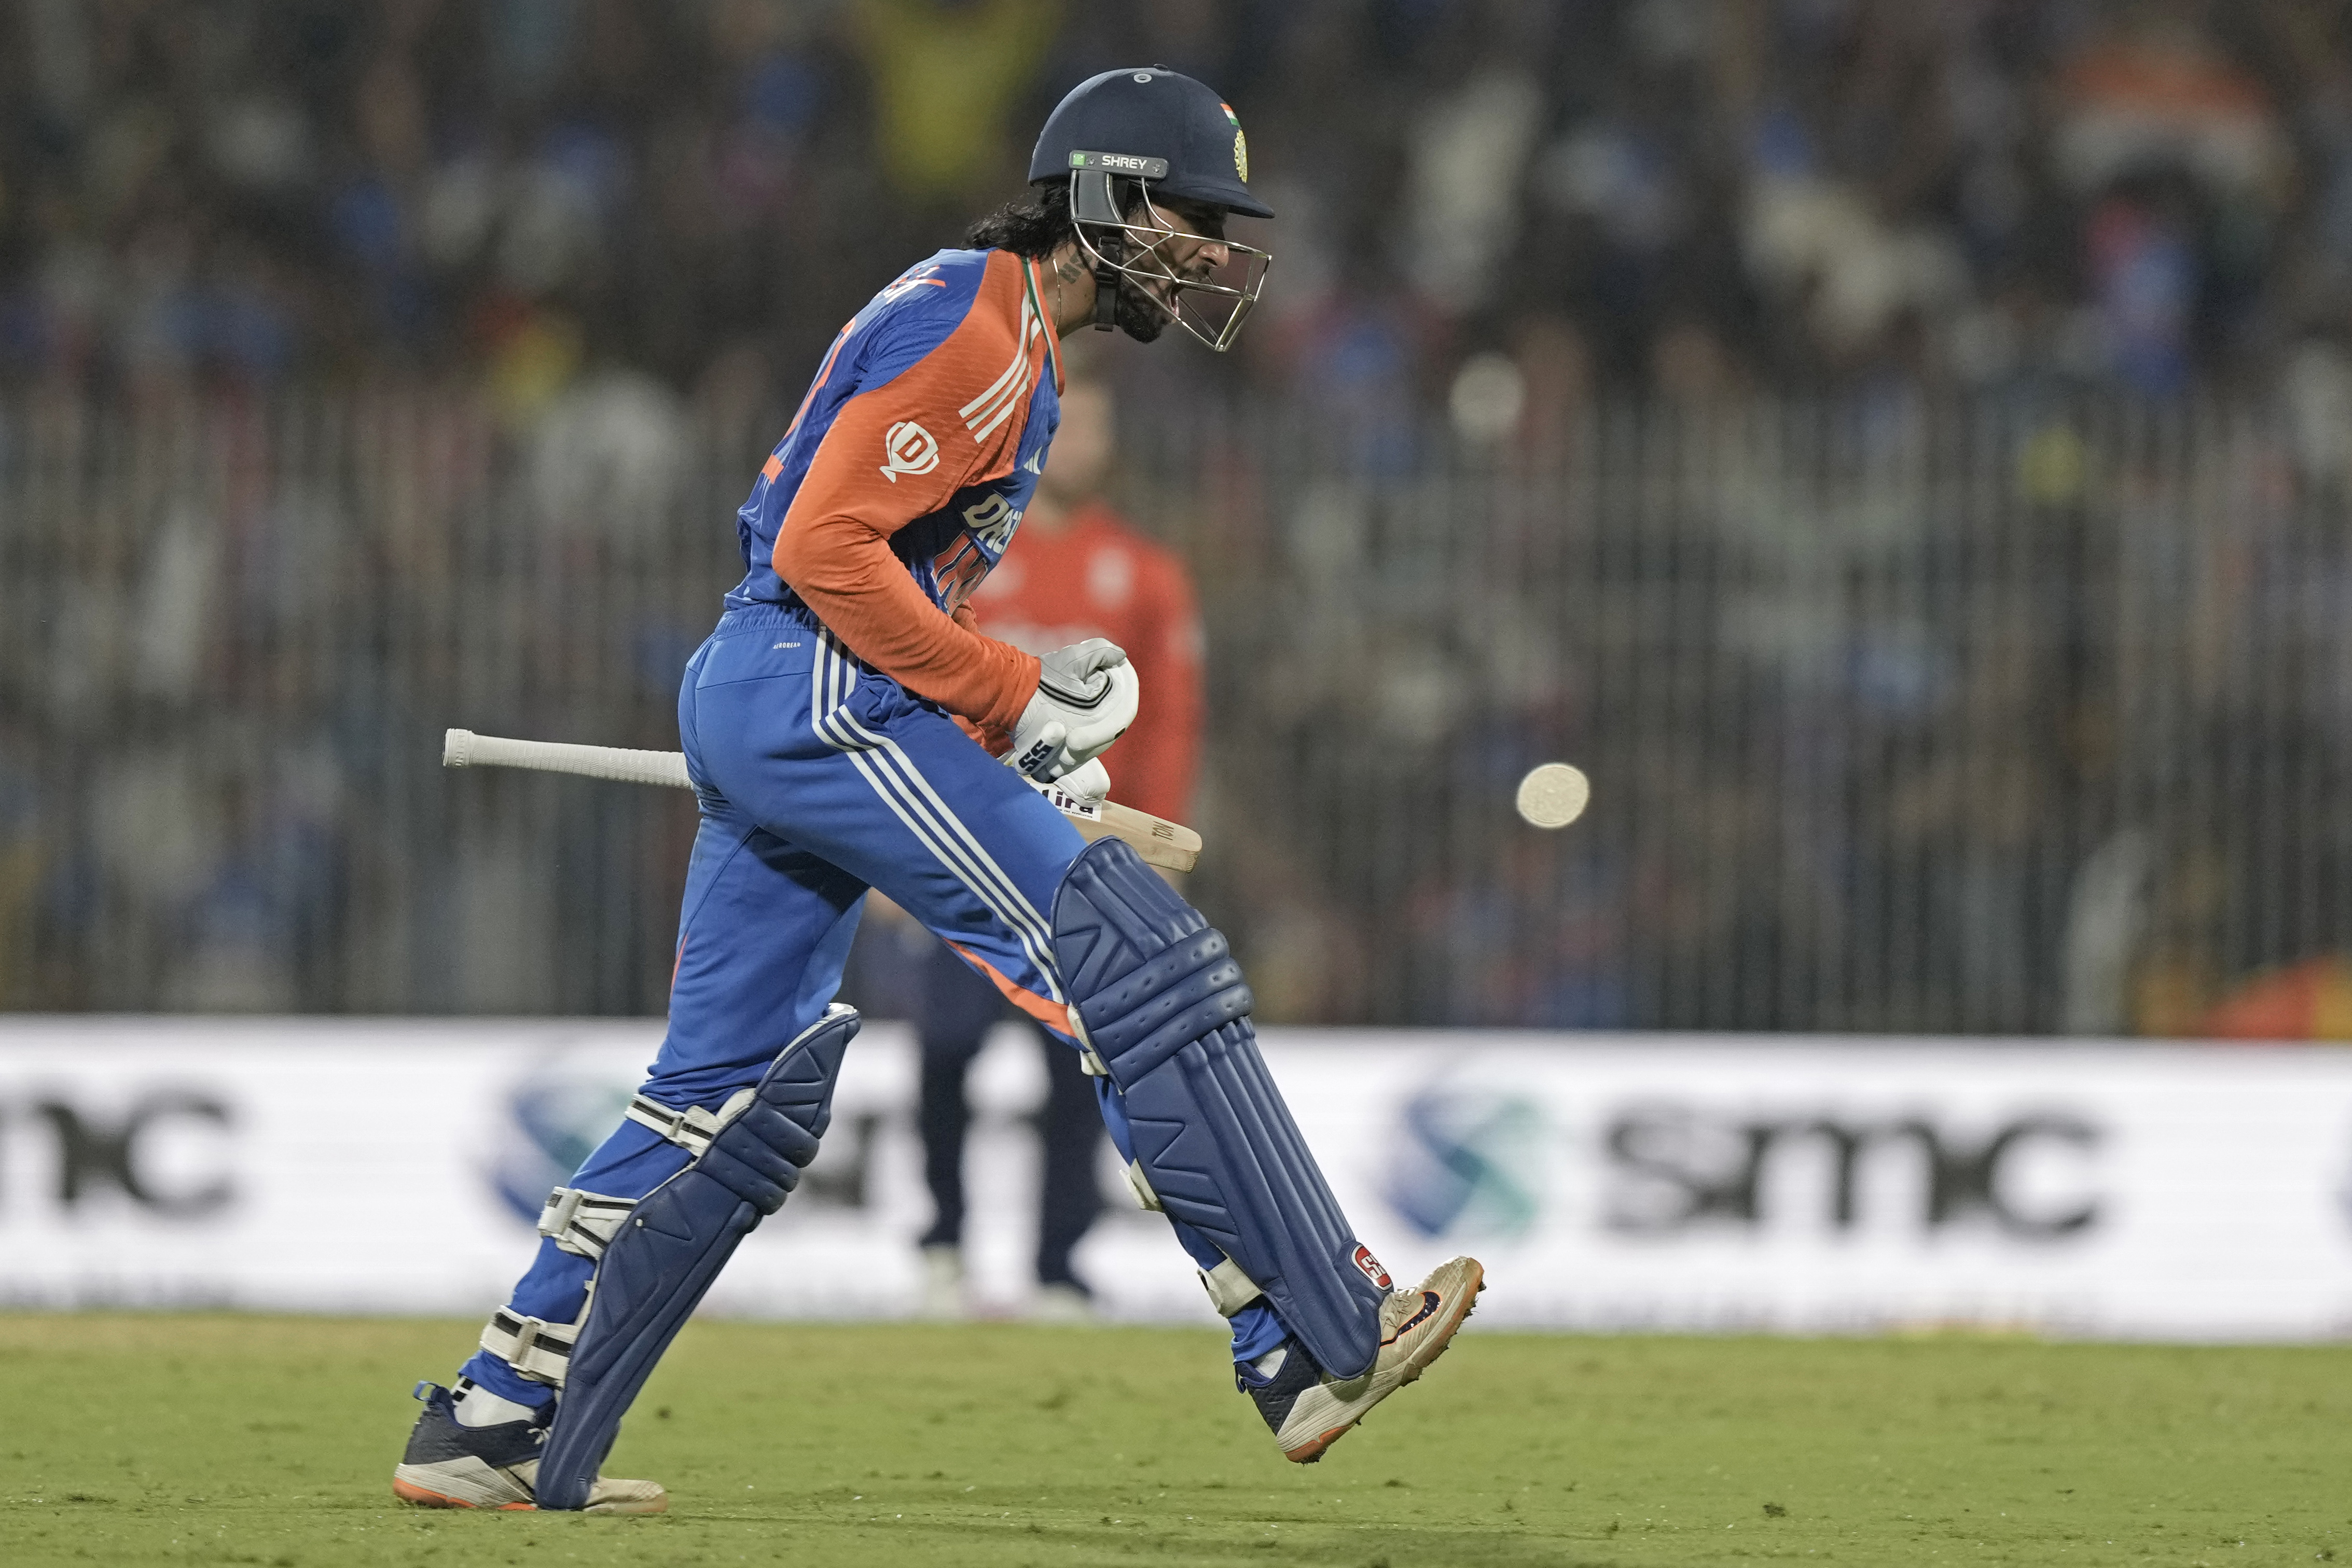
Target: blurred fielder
{"points": [[1081, 573], [824, 724]]}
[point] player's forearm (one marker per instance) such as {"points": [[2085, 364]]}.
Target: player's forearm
{"points": [[993, 738], [864, 595]]}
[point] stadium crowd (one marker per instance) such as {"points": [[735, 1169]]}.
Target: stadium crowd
{"points": [[1682, 195], [1494, 475]]}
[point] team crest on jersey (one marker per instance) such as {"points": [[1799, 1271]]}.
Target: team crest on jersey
{"points": [[909, 448], [1369, 1267]]}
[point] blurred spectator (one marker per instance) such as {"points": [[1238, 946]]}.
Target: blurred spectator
{"points": [[291, 188], [2310, 1000], [946, 75]]}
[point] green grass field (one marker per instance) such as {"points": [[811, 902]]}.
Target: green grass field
{"points": [[130, 1439]]}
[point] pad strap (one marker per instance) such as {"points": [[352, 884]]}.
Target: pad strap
{"points": [[1090, 1061], [1229, 1288], [538, 1350], [582, 1222], [692, 1128]]}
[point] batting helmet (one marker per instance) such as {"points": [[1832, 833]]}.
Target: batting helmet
{"points": [[1126, 137]]}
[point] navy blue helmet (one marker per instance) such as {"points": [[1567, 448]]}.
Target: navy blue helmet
{"points": [[1128, 140], [1156, 117]]}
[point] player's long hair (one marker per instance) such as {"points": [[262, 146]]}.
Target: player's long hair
{"points": [[1026, 228], [1034, 229]]}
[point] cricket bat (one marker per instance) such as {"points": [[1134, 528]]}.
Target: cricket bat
{"points": [[1160, 842]]}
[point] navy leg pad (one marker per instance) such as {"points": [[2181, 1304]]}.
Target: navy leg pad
{"points": [[659, 1263], [1167, 1011]]}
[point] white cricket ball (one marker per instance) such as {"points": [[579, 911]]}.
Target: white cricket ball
{"points": [[1554, 795]]}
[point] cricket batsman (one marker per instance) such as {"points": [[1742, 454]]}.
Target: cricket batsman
{"points": [[846, 727]]}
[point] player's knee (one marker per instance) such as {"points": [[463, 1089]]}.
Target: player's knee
{"points": [[1147, 972], [759, 1158], [1191, 989]]}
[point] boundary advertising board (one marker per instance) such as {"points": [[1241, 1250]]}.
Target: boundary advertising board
{"points": [[1609, 1182]]}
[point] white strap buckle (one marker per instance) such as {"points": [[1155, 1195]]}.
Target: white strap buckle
{"points": [[582, 1222], [1229, 1288], [1090, 1061], [692, 1128], [1142, 1185], [538, 1350]]}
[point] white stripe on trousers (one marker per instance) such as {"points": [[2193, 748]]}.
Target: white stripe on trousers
{"points": [[892, 774]]}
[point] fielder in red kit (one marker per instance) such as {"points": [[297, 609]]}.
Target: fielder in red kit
{"points": [[1077, 571]]}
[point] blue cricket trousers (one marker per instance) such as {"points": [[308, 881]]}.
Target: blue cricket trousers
{"points": [[819, 778]]}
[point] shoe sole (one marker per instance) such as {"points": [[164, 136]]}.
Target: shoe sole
{"points": [[423, 1497], [1307, 1453], [416, 1496]]}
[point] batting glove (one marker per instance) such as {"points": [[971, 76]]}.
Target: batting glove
{"points": [[1088, 781], [1086, 697]]}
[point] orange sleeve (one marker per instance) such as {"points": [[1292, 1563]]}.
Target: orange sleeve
{"points": [[1156, 764], [895, 453], [993, 740]]}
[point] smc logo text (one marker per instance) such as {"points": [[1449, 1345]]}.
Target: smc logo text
{"points": [[1674, 1167], [166, 1151]]}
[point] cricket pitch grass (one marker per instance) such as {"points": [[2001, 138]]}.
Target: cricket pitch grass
{"points": [[129, 1439]]}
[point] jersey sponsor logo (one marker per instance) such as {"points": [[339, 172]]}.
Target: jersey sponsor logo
{"points": [[992, 521], [909, 448], [1369, 1267]]}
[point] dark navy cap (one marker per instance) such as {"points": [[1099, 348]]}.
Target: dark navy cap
{"points": [[1150, 123]]}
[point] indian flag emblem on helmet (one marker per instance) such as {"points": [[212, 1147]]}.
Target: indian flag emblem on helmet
{"points": [[1241, 143]]}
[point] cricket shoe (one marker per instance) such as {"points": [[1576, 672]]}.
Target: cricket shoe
{"points": [[1309, 1409], [451, 1465]]}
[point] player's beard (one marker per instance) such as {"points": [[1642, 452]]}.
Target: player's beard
{"points": [[1132, 310], [1135, 312]]}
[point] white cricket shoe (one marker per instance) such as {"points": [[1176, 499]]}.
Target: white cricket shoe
{"points": [[942, 1300], [1309, 1410], [1063, 1306], [450, 1465]]}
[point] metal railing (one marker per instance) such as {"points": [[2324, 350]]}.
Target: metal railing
{"points": [[2015, 716]]}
